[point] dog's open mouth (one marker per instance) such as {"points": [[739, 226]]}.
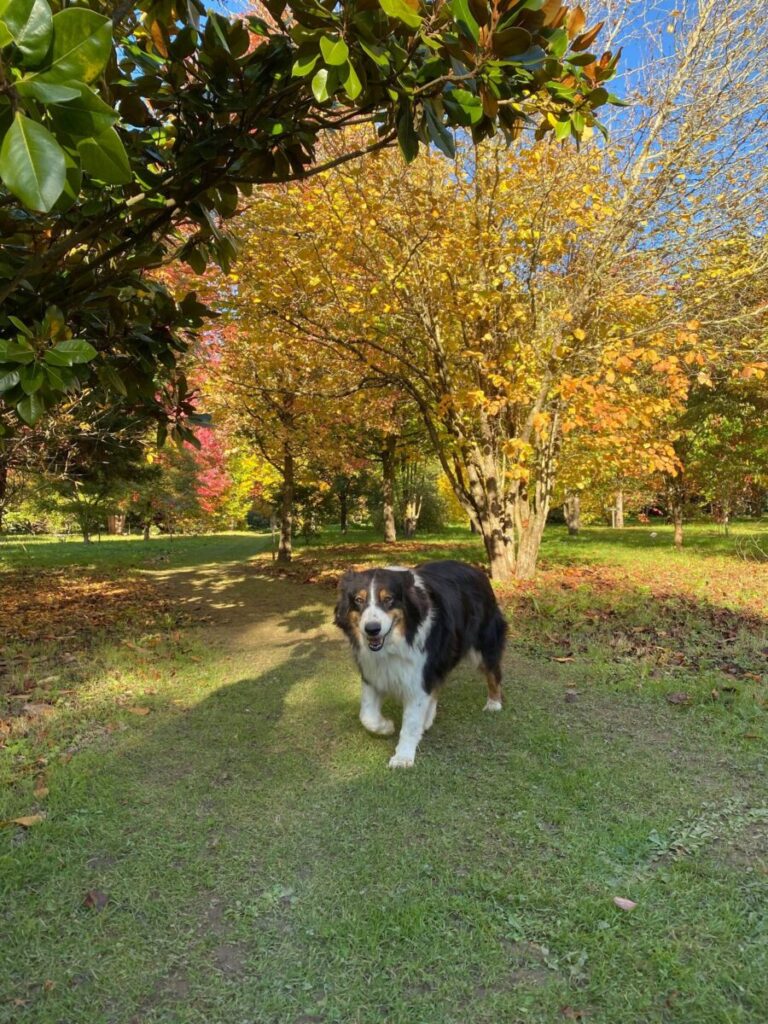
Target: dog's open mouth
{"points": [[375, 643]]}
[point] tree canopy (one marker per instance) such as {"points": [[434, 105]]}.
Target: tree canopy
{"points": [[130, 133]]}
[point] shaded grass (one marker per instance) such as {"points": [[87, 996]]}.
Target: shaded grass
{"points": [[261, 864], [124, 553]]}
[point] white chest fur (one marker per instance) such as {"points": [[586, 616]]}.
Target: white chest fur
{"points": [[397, 670]]}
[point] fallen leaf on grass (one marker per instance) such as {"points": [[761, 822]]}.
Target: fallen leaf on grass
{"points": [[49, 985], [26, 822], [41, 790], [37, 710], [624, 904], [571, 1013], [564, 659], [95, 899], [679, 697], [138, 711]]}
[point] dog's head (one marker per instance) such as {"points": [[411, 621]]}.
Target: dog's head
{"points": [[377, 603]]}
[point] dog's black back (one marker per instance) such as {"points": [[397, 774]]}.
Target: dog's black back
{"points": [[466, 618]]}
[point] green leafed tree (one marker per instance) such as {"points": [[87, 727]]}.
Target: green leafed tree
{"points": [[129, 134]]}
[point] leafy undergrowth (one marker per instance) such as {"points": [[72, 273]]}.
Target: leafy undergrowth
{"points": [[56, 623]]}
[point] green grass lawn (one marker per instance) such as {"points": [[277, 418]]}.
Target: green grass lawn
{"points": [[221, 842]]}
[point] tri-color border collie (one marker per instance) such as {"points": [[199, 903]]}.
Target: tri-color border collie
{"points": [[408, 629]]}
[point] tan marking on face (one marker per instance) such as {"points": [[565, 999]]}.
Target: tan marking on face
{"points": [[384, 595], [398, 620], [362, 595]]}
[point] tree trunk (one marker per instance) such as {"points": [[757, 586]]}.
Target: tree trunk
{"points": [[498, 547], [572, 512], [529, 542], [677, 519], [86, 534], [343, 510], [411, 517], [147, 526], [284, 549], [388, 489], [619, 518], [116, 524]]}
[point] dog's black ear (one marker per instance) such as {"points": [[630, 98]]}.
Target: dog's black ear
{"points": [[342, 601], [416, 600]]}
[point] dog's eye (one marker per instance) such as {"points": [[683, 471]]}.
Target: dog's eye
{"points": [[387, 602], [359, 601]]}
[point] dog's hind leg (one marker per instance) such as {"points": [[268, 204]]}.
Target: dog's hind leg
{"points": [[491, 653], [370, 712], [495, 697]]}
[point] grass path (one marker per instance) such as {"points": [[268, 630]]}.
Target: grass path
{"points": [[258, 863]]}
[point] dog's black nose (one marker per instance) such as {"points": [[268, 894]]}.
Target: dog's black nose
{"points": [[373, 628]]}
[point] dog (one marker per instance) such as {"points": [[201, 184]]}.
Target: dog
{"points": [[408, 629]]}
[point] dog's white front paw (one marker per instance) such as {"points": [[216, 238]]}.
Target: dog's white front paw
{"points": [[492, 705], [401, 761], [385, 727]]}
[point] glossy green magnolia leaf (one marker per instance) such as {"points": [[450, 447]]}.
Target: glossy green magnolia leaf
{"points": [[84, 115], [82, 44], [73, 350], [465, 19], [351, 82], [32, 164], [46, 92], [105, 159], [16, 351], [72, 185], [31, 408], [29, 24], [377, 54], [562, 129], [305, 64], [323, 84], [20, 325], [335, 51], [407, 138], [31, 378], [399, 9], [438, 133], [557, 43], [464, 106], [55, 376], [8, 379]]}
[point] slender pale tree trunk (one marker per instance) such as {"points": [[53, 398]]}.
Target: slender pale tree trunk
{"points": [[572, 512], [285, 546], [388, 489], [619, 520], [677, 520], [147, 527]]}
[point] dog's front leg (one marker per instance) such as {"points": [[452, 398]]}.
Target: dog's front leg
{"points": [[414, 716], [370, 712]]}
